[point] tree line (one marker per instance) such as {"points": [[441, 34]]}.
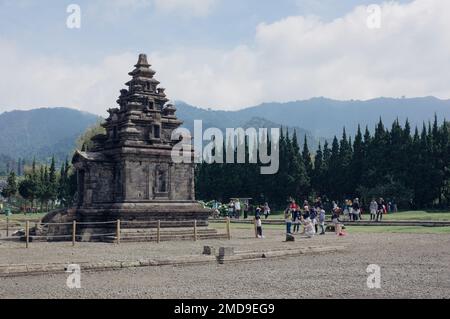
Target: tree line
{"points": [[42, 187], [409, 167]]}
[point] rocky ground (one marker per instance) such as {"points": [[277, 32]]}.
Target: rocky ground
{"points": [[412, 266]]}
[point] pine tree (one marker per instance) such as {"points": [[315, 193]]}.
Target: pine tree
{"points": [[52, 187], [11, 187], [317, 177]]}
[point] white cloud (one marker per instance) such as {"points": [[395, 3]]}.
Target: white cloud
{"points": [[294, 58]]}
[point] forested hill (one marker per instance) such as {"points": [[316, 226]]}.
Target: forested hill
{"points": [[41, 133], [326, 117]]}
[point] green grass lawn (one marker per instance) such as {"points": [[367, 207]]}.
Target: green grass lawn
{"points": [[409, 215], [419, 215], [352, 229], [398, 229]]}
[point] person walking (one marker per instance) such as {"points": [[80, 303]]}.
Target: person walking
{"points": [[380, 210], [373, 209], [259, 227]]}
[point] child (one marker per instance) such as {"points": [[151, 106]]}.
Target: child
{"points": [[336, 222], [322, 221], [259, 227]]}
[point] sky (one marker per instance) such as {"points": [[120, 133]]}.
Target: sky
{"points": [[222, 54]]}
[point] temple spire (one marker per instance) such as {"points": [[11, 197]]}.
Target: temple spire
{"points": [[142, 61]]}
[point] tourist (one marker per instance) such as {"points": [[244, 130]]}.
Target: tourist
{"points": [[293, 206], [373, 209], [313, 218], [322, 221], [237, 209], [380, 210], [336, 222], [246, 208], [356, 209], [296, 220], [259, 227], [346, 210], [309, 228], [231, 209], [288, 220], [266, 210]]}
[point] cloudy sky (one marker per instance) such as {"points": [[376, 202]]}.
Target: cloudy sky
{"points": [[223, 54]]}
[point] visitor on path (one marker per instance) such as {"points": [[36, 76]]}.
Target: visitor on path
{"points": [[346, 210], [380, 210], [237, 209], [293, 205], [259, 227], [322, 221], [309, 228], [337, 223], [246, 208], [266, 210], [231, 209], [373, 209], [313, 218], [296, 220], [356, 210], [288, 220]]}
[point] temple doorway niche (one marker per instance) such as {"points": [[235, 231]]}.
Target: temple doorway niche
{"points": [[162, 180]]}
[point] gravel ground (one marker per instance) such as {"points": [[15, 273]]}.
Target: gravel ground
{"points": [[412, 266]]}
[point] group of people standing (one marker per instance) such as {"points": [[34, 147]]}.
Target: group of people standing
{"points": [[377, 209], [309, 218], [235, 208]]}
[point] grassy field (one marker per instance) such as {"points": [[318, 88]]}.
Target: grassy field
{"points": [[409, 215], [399, 229], [419, 215], [354, 229]]}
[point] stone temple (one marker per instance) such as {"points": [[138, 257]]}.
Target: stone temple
{"points": [[128, 173]]}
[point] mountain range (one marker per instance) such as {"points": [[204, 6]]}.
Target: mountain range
{"points": [[44, 132], [326, 117], [41, 133]]}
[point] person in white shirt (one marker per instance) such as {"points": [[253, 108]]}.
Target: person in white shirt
{"points": [[259, 227], [373, 209], [237, 208]]}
